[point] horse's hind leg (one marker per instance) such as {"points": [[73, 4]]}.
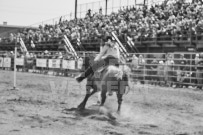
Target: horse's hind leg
{"points": [[103, 97], [120, 99], [99, 98]]}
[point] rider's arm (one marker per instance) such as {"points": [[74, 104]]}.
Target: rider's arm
{"points": [[104, 49]]}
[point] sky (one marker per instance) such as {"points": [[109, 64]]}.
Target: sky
{"points": [[34, 12]]}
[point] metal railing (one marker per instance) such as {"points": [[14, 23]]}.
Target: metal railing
{"points": [[154, 68]]}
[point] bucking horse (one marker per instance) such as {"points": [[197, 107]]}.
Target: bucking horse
{"points": [[109, 78]]}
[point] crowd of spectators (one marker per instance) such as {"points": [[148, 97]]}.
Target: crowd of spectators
{"points": [[167, 21], [43, 55]]}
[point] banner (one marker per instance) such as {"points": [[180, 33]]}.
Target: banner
{"points": [[7, 62], [54, 63], [29, 61], [68, 64], [20, 61], [41, 62], [80, 63], [1, 62]]}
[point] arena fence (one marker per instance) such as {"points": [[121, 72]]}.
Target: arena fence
{"points": [[155, 68]]}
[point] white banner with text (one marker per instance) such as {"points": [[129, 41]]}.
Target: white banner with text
{"points": [[41, 62]]}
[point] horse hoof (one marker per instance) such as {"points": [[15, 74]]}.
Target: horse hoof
{"points": [[111, 116], [80, 107]]}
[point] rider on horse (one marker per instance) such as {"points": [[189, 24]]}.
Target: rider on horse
{"points": [[109, 55]]}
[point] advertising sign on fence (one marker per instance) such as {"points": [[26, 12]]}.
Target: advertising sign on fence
{"points": [[7, 62], [1, 62], [54, 63], [41, 62], [68, 64], [29, 61], [20, 61], [80, 63]]}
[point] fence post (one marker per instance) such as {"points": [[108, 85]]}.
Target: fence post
{"points": [[190, 67], [14, 75]]}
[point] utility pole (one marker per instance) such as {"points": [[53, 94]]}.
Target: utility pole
{"points": [[144, 2], [106, 8], [76, 6]]}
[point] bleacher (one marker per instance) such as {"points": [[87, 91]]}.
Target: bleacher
{"points": [[151, 29]]}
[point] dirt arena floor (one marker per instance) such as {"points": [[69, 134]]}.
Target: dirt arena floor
{"points": [[44, 105]]}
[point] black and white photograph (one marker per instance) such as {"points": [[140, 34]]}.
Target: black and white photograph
{"points": [[101, 67]]}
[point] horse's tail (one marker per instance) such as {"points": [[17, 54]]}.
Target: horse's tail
{"points": [[119, 74], [113, 71]]}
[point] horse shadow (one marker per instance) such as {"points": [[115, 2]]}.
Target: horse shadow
{"points": [[92, 112]]}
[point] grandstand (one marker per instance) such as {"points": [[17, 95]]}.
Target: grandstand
{"points": [[153, 28], [5, 30]]}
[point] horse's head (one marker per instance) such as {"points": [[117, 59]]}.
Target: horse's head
{"points": [[87, 60]]}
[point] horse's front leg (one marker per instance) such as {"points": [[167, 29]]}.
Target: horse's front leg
{"points": [[83, 103]]}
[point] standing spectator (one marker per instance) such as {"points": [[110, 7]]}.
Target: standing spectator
{"points": [[141, 61], [199, 72], [160, 72], [11, 37], [169, 70], [141, 66], [182, 60], [183, 75], [197, 59], [100, 11], [153, 71], [46, 54], [134, 62], [60, 55]]}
